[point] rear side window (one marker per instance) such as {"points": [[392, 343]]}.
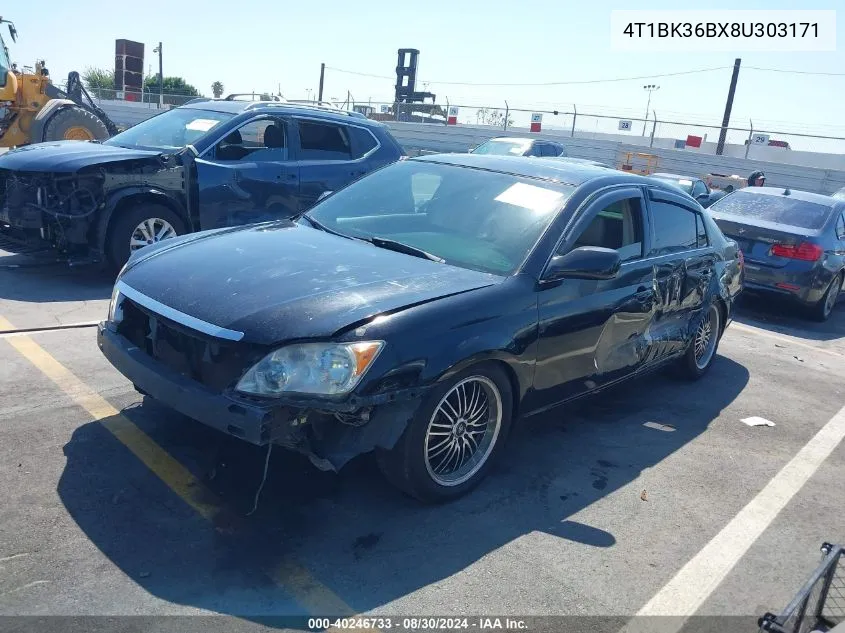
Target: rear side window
{"points": [[776, 209], [675, 228], [840, 227], [363, 142], [323, 141]]}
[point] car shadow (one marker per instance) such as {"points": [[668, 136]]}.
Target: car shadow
{"points": [[365, 541], [45, 281], [788, 318]]}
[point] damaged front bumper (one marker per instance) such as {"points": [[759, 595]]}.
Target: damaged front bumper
{"points": [[57, 208], [330, 433]]}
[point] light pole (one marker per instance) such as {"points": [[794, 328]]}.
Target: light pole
{"points": [[157, 49], [650, 88]]}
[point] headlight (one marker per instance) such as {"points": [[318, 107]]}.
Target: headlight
{"points": [[312, 368], [115, 307]]}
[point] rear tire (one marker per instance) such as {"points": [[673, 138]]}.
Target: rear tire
{"points": [[824, 308], [134, 225], [454, 437], [73, 123], [705, 342]]}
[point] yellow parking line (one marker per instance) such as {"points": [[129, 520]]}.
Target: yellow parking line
{"points": [[293, 577]]}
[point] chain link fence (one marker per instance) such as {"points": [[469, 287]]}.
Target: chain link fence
{"points": [[653, 131]]}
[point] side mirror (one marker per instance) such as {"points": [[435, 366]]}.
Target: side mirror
{"points": [[585, 262], [324, 195]]}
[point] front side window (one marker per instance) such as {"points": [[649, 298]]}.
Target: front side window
{"points": [[173, 129], [259, 140], [319, 140], [471, 218], [675, 228], [618, 226]]}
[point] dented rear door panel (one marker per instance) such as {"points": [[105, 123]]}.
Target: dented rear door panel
{"points": [[593, 332]]}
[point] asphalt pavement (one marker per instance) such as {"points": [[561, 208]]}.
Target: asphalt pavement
{"points": [[653, 498]]}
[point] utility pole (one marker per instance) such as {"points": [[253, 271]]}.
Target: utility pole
{"points": [[157, 49], [320, 91], [720, 146], [650, 88]]}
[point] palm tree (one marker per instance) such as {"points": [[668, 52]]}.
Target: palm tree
{"points": [[217, 89]]}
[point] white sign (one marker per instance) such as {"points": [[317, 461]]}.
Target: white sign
{"points": [[760, 139], [453, 110], [625, 125], [384, 109], [119, 95], [536, 117]]}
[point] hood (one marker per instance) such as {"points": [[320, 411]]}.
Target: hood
{"points": [[68, 156], [283, 281]]}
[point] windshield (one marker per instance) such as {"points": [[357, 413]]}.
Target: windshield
{"points": [[470, 218], [840, 195], [681, 183], [4, 64], [501, 148], [173, 129], [776, 209]]}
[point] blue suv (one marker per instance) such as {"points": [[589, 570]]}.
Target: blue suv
{"points": [[209, 164]]}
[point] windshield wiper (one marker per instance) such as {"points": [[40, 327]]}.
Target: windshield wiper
{"points": [[321, 226], [399, 247]]}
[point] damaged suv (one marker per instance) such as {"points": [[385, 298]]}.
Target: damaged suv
{"points": [[205, 165], [418, 311]]}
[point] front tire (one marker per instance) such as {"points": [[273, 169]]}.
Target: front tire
{"points": [[705, 342], [454, 437], [824, 308], [73, 123], [140, 226]]}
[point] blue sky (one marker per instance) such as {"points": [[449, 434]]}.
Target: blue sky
{"points": [[261, 45]]}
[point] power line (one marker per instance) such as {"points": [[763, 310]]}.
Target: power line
{"points": [[796, 72], [548, 83]]}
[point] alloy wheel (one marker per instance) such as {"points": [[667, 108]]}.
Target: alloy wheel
{"points": [[463, 430], [150, 231], [832, 295], [706, 336]]}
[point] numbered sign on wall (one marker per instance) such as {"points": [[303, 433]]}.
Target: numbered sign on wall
{"points": [[384, 109], [536, 122], [760, 139], [625, 126], [453, 116]]}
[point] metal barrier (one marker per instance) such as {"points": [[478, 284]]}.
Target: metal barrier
{"points": [[820, 605]]}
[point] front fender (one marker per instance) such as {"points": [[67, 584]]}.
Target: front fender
{"points": [[127, 194]]}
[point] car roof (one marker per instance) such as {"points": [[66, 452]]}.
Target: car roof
{"points": [[263, 107], [513, 139], [797, 194], [544, 168], [675, 176]]}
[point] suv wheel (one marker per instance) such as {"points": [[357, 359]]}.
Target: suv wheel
{"points": [[141, 226]]}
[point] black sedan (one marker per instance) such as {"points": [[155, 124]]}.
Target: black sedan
{"points": [[417, 312], [695, 187], [793, 243]]}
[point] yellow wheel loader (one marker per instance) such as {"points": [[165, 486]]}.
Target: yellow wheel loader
{"points": [[33, 110]]}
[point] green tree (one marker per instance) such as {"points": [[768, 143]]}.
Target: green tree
{"points": [[172, 86], [217, 89], [98, 78]]}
